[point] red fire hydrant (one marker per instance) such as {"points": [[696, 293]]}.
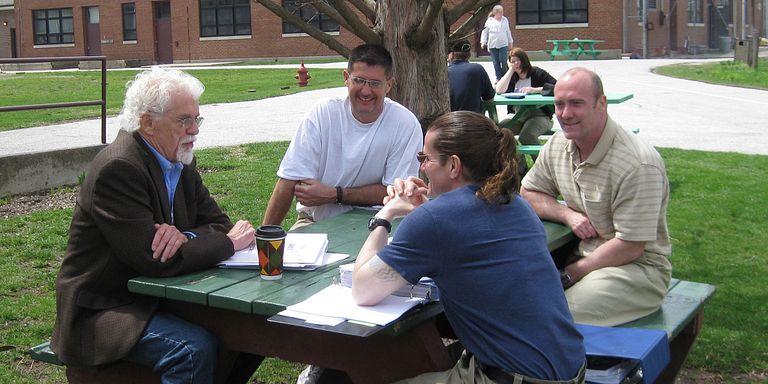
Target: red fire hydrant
{"points": [[303, 75]]}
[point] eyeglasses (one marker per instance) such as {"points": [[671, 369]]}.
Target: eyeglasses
{"points": [[422, 157], [186, 122], [359, 82]]}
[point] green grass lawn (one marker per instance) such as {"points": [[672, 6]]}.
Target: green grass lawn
{"points": [[724, 72], [222, 86], [717, 219]]}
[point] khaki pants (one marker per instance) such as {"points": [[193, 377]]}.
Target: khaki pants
{"points": [[532, 124], [302, 221], [616, 295], [466, 371]]}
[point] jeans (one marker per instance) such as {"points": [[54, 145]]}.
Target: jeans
{"points": [[499, 58], [180, 351]]}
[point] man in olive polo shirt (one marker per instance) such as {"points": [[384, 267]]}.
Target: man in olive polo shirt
{"points": [[615, 190]]}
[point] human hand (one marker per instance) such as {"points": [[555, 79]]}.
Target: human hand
{"points": [[312, 193], [412, 188], [580, 225], [168, 239], [403, 196], [526, 90], [242, 234]]}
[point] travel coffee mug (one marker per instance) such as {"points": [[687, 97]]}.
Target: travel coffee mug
{"points": [[270, 242]]}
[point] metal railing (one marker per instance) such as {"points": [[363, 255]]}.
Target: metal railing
{"points": [[102, 102]]}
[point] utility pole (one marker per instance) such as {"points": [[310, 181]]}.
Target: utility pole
{"points": [[743, 19], [645, 28]]}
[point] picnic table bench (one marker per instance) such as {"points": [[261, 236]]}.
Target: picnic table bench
{"points": [[681, 317], [573, 48]]}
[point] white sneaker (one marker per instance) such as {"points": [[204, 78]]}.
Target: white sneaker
{"points": [[309, 375]]}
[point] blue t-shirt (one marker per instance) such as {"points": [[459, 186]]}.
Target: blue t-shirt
{"points": [[498, 284]]}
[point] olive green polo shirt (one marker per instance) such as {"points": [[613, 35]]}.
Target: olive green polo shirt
{"points": [[622, 187]]}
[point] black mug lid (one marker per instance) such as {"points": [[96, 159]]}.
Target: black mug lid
{"points": [[270, 231]]}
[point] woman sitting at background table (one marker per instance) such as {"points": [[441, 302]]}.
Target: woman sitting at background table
{"points": [[525, 78]]}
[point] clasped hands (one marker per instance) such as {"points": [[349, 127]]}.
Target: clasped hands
{"points": [[403, 196], [168, 239]]}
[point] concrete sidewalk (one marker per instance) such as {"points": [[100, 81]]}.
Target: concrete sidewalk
{"points": [[669, 113]]}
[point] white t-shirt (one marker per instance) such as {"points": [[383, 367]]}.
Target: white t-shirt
{"points": [[335, 148]]}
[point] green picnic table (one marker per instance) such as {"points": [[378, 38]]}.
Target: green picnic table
{"points": [[573, 48], [241, 309], [535, 100]]}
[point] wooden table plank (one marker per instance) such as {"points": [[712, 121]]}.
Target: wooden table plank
{"points": [[191, 287], [683, 302]]}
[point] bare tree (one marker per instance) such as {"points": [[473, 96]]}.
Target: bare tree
{"points": [[416, 32]]}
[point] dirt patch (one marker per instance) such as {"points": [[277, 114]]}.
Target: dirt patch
{"points": [[18, 205], [697, 376]]}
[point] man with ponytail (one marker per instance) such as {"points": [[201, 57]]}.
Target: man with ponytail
{"points": [[485, 249]]}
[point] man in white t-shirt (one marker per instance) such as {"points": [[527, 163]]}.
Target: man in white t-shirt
{"points": [[348, 149]]}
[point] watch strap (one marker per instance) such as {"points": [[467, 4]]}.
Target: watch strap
{"points": [[379, 222]]}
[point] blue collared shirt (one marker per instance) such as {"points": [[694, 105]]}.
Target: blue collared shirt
{"points": [[171, 173]]}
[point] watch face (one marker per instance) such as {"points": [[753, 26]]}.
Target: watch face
{"points": [[376, 222]]}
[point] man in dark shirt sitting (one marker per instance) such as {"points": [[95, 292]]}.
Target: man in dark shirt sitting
{"points": [[468, 83]]}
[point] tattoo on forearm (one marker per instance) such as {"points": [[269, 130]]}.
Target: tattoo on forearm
{"points": [[381, 270]]}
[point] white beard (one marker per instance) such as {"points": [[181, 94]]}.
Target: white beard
{"points": [[185, 156]]}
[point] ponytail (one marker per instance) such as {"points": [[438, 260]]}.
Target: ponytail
{"points": [[501, 187]]}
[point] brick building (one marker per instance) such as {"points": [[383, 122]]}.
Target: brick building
{"points": [[7, 29], [167, 31]]}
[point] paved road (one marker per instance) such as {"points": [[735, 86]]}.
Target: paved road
{"points": [[669, 113]]}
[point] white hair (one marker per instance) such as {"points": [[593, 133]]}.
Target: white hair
{"points": [[150, 92]]}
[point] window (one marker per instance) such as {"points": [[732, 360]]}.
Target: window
{"points": [[225, 18], [129, 22], [551, 11], [651, 5], [53, 26], [308, 13], [695, 12]]}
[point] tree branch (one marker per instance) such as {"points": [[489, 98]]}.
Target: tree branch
{"points": [[467, 28], [424, 30], [367, 8], [323, 7], [460, 9], [305, 27], [357, 27]]}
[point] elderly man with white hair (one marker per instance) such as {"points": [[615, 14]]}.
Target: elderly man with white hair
{"points": [[143, 211]]}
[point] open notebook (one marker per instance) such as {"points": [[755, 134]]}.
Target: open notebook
{"points": [[303, 251]]}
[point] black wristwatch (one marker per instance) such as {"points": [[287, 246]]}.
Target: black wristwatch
{"points": [[565, 279], [376, 221]]}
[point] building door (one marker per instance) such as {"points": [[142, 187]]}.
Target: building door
{"points": [[163, 44], [478, 33], [719, 18], [672, 18], [92, 33], [13, 43]]}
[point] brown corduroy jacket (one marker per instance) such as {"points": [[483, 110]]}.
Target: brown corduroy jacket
{"points": [[98, 320]]}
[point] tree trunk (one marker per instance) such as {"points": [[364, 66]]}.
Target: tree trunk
{"points": [[420, 71]]}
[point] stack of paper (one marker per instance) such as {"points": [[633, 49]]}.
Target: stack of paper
{"points": [[609, 370], [334, 304], [303, 251], [425, 289]]}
